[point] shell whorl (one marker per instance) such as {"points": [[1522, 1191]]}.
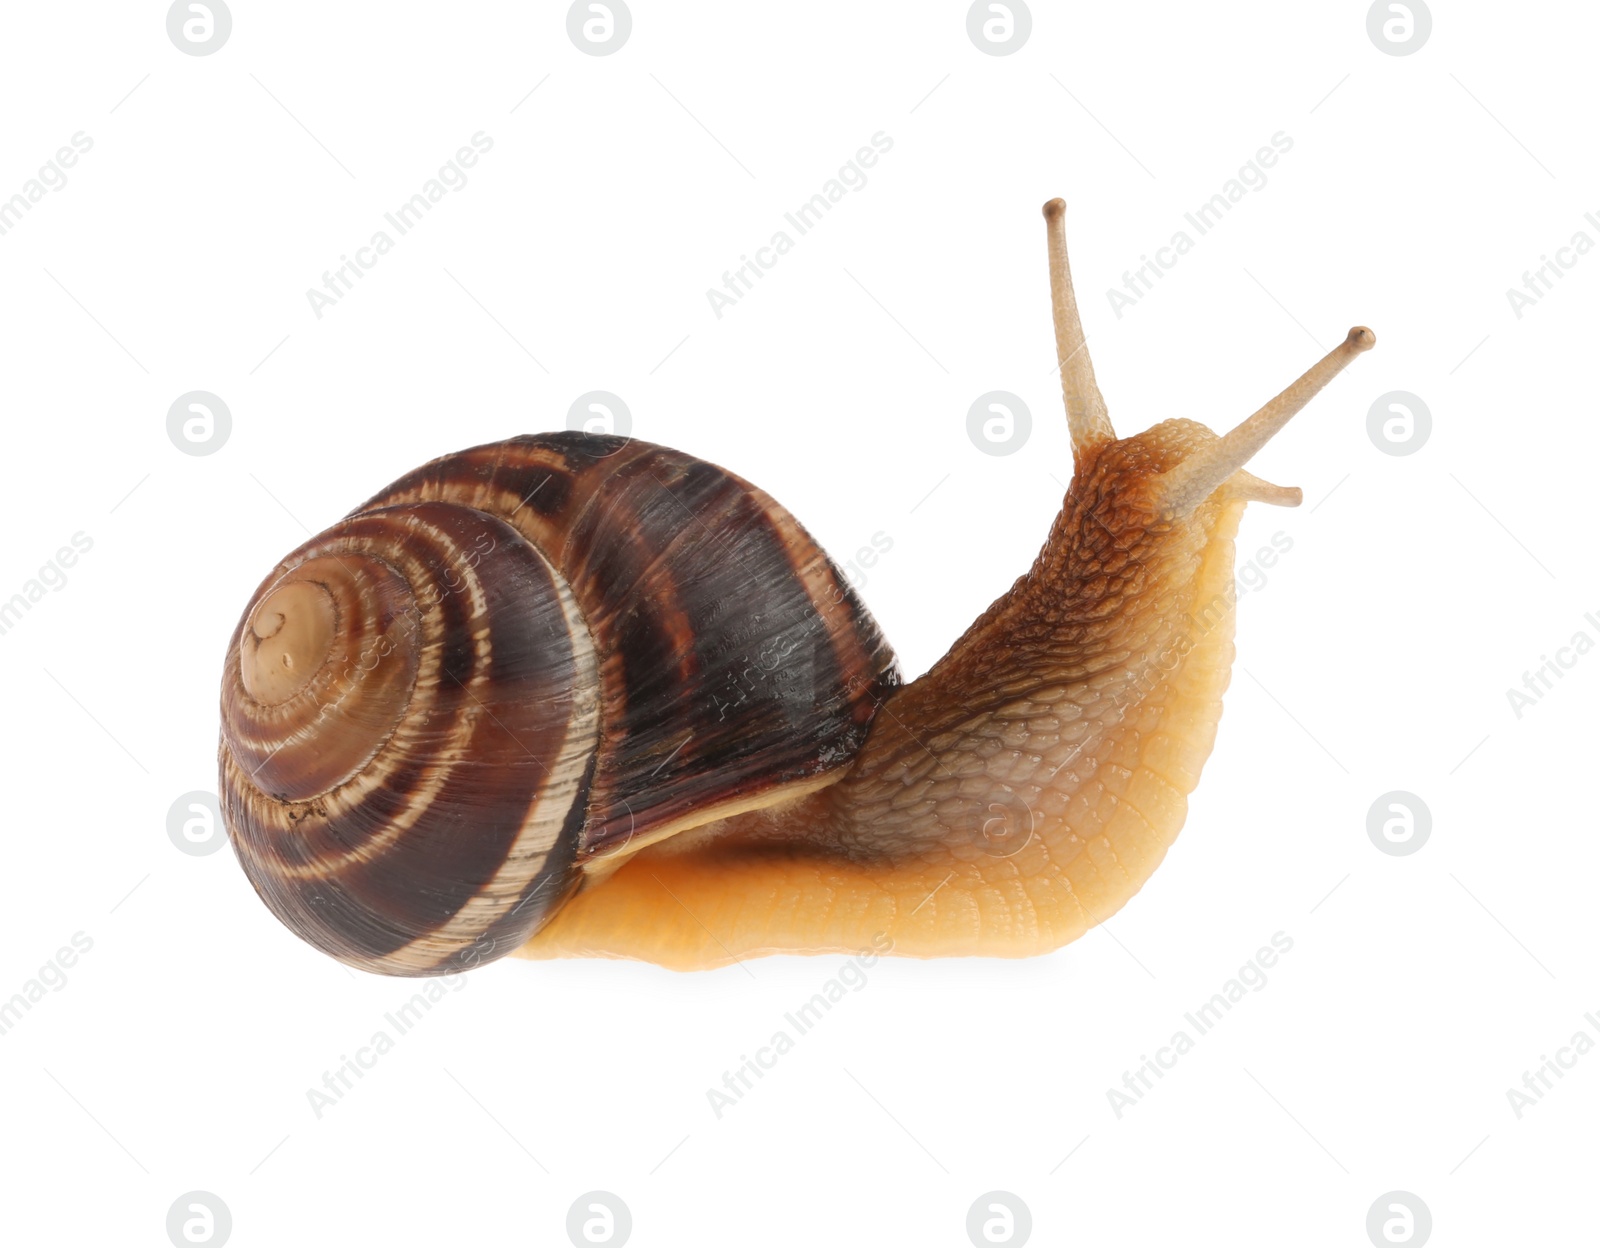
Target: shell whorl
{"points": [[513, 663], [403, 806]]}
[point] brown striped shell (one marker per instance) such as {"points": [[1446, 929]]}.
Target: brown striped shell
{"points": [[530, 657]]}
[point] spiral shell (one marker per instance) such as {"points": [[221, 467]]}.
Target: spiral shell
{"points": [[513, 665]]}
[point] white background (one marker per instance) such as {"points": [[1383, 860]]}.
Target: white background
{"points": [[1376, 657]]}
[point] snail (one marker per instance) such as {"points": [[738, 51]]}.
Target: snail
{"points": [[575, 695]]}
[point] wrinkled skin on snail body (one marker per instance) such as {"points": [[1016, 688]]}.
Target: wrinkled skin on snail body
{"points": [[573, 695]]}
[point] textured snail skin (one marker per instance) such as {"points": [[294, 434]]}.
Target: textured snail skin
{"points": [[1004, 803], [570, 695]]}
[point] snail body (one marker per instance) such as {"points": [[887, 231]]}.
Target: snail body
{"points": [[571, 695]]}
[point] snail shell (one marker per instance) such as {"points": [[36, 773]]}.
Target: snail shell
{"points": [[517, 664]]}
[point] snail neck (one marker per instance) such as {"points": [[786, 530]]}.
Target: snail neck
{"points": [[1091, 671]]}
